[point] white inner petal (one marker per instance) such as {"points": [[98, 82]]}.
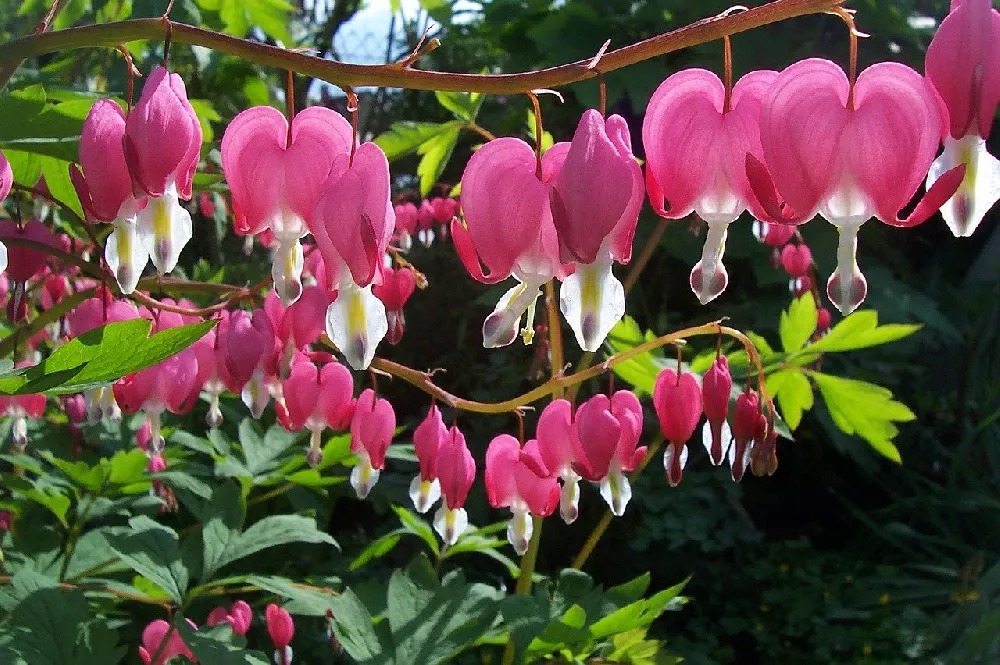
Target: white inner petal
{"points": [[980, 188], [593, 301]]}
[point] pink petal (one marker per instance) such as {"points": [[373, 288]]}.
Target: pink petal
{"points": [[372, 427], [319, 134], [455, 469], [396, 288], [556, 435], [502, 458], [599, 432], [503, 203], [253, 161], [305, 319], [105, 183], [6, 177], [427, 439], [24, 262], [895, 110], [336, 396], [625, 406], [242, 615], [677, 402], [802, 119], [741, 134], [162, 137], [280, 626], [301, 391], [962, 64]]}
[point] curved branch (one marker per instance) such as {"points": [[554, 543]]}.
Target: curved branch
{"points": [[341, 74]]}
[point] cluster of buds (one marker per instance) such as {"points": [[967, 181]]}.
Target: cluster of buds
{"points": [[418, 221]]}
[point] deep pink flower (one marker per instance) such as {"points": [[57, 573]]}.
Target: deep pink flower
{"points": [[748, 424], [775, 235], [963, 65], [425, 223], [696, 151], [238, 616], [275, 176], [6, 177], [248, 345], [396, 288], [19, 408], [796, 259], [425, 489], [105, 189], [281, 628], [372, 427], [456, 470], [86, 316], [559, 450], [154, 634], [508, 230], [298, 325], [716, 388], [607, 433], [162, 143], [677, 401], [516, 478], [406, 224], [595, 198], [172, 385], [353, 223], [316, 398], [818, 135]]}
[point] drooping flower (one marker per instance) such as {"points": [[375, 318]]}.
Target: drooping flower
{"points": [[353, 223], [248, 345], [445, 208], [748, 424], [425, 223], [19, 408], [558, 447], [23, 263], [153, 636], [86, 316], [396, 288], [281, 628], [297, 325], [508, 229], [716, 386], [595, 199], [171, 385], [106, 193], [162, 144], [455, 470], [425, 489], [275, 173], [963, 65], [406, 224], [516, 478], [697, 137], [850, 153], [316, 398], [239, 616], [372, 428], [677, 401], [6, 182], [608, 431]]}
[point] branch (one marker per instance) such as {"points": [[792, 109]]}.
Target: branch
{"points": [[110, 35]]}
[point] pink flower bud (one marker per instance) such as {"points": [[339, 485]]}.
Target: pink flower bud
{"points": [[716, 387], [677, 401], [280, 626], [796, 259]]}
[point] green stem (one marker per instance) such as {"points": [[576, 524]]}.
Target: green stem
{"points": [[400, 75]]}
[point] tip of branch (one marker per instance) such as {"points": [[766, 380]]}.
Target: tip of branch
{"points": [[600, 54]]}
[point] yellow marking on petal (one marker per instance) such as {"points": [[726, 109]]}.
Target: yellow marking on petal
{"points": [[357, 320], [366, 472], [289, 250], [425, 489], [590, 290], [161, 218], [124, 242], [968, 157], [449, 520]]}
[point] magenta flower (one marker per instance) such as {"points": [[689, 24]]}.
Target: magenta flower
{"points": [[406, 225], [316, 398], [372, 427], [171, 385], [716, 388], [456, 470], [23, 263], [275, 174], [297, 325], [396, 288], [162, 142], [817, 132], [696, 144], [106, 191], [963, 65], [425, 223], [353, 223], [508, 230], [154, 634], [595, 198], [238, 616], [281, 628], [19, 408], [516, 478], [248, 347], [558, 447], [748, 424], [425, 489], [677, 401]]}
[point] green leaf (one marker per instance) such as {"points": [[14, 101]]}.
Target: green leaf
{"points": [[865, 409], [547, 140], [464, 105], [435, 155], [418, 527], [153, 551], [793, 392], [861, 330], [33, 126], [354, 628], [798, 323], [271, 16], [95, 358], [403, 138], [304, 601], [268, 532], [639, 371], [218, 644], [377, 548]]}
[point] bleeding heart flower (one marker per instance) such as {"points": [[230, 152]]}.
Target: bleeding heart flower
{"points": [[298, 325], [89, 314], [425, 489], [406, 224], [697, 137], [106, 192], [238, 616], [248, 345], [19, 408], [963, 65], [316, 398], [516, 478], [456, 471], [677, 401], [353, 223], [607, 433], [716, 386], [153, 636], [748, 424], [796, 259], [275, 174], [595, 199], [23, 263], [818, 132], [162, 143], [281, 628], [172, 385], [396, 288], [425, 223], [775, 235], [371, 433], [558, 448], [508, 229]]}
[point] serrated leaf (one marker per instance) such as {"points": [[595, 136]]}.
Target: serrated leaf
{"points": [[464, 105], [268, 532], [353, 626], [861, 330], [798, 323], [153, 551], [794, 394], [435, 154], [403, 138], [639, 371], [865, 409]]}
